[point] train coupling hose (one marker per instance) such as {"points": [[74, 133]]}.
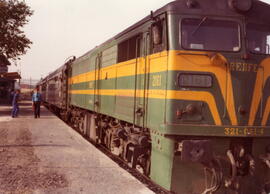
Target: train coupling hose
{"points": [[266, 160], [229, 182]]}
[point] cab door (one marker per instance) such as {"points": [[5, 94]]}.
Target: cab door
{"points": [[141, 79], [154, 42]]}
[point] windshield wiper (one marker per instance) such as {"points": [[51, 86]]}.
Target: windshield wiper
{"points": [[199, 25]]}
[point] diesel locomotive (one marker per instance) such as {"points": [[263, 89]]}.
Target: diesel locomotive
{"points": [[183, 96]]}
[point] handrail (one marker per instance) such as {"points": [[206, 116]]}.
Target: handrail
{"points": [[135, 87]]}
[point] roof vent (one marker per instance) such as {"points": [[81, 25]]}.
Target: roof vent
{"points": [[240, 6]]}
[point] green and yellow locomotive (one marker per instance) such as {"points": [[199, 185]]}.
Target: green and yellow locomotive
{"points": [[183, 96]]}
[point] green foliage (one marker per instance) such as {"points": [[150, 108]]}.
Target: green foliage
{"points": [[14, 15]]}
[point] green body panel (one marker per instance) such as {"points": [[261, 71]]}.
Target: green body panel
{"points": [[78, 100], [202, 116], [89, 101], [122, 108], [87, 62], [119, 106], [162, 156]]}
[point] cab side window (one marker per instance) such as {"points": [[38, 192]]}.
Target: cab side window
{"points": [[158, 34]]}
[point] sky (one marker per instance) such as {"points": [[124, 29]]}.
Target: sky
{"points": [[63, 28]]}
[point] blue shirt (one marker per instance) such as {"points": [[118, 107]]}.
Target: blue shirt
{"points": [[36, 97], [15, 98]]}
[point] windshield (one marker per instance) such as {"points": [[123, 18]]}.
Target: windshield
{"points": [[210, 34], [258, 38]]}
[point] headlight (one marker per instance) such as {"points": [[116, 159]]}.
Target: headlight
{"points": [[240, 5], [195, 80]]}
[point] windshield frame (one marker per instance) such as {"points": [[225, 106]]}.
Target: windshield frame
{"points": [[235, 20], [247, 38]]}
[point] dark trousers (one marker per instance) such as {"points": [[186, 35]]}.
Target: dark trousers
{"points": [[15, 110], [37, 109]]}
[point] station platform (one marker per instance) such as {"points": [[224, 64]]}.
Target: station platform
{"points": [[45, 155]]}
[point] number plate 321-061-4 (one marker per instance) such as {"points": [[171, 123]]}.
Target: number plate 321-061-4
{"points": [[230, 131]]}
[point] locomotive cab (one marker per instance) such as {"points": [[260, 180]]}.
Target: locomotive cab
{"points": [[217, 98]]}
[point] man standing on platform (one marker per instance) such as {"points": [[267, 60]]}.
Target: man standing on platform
{"points": [[15, 105], [36, 100]]}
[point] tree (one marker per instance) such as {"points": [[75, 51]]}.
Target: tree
{"points": [[14, 15]]}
